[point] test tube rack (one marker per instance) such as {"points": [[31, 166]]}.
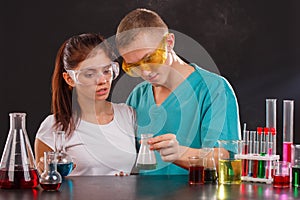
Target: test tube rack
{"points": [[269, 160]]}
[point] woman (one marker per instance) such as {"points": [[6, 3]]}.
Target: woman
{"points": [[100, 134]]}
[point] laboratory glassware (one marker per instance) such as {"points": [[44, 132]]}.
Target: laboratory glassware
{"points": [[50, 179], [288, 126], [146, 158], [64, 160], [196, 170], [17, 168], [271, 121], [296, 165], [210, 169], [230, 167]]}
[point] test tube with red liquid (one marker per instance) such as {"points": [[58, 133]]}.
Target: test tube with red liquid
{"points": [[288, 126], [256, 153]]}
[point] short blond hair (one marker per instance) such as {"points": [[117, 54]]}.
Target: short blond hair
{"points": [[137, 21]]}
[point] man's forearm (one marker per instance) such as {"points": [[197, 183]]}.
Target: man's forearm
{"points": [[186, 152]]}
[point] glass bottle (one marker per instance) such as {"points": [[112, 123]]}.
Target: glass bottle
{"points": [[50, 179], [146, 158], [65, 162], [17, 168]]}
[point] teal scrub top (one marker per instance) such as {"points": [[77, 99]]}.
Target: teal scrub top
{"points": [[200, 111]]}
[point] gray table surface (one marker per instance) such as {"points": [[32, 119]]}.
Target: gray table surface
{"points": [[149, 187]]}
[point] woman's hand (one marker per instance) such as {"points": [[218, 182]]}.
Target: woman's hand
{"points": [[40, 165], [167, 145]]}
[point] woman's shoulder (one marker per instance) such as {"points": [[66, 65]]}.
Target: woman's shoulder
{"points": [[124, 116], [45, 131], [47, 123], [122, 107], [48, 120]]}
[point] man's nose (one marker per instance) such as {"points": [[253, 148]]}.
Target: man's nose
{"points": [[145, 73]]}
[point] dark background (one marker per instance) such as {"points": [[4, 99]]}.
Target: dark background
{"points": [[254, 43]]}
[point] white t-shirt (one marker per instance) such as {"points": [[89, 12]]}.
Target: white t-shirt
{"points": [[98, 149]]}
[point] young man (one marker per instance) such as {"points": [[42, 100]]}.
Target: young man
{"points": [[186, 107]]}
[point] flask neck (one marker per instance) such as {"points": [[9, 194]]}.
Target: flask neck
{"points": [[59, 137], [145, 138], [50, 167], [144, 141], [50, 161], [17, 121]]}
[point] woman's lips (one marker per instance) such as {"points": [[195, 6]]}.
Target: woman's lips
{"points": [[102, 91]]}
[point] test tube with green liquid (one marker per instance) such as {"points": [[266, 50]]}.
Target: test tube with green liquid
{"points": [[262, 152]]}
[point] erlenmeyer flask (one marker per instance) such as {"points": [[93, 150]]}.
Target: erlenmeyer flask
{"points": [[146, 158], [17, 169], [210, 169], [64, 161]]}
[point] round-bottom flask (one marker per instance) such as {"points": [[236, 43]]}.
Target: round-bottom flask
{"points": [[50, 179], [64, 161]]}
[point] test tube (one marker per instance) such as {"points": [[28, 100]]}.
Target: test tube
{"points": [[251, 135], [269, 141], [288, 125], [269, 146], [262, 152], [271, 120], [256, 153], [245, 151], [273, 140]]}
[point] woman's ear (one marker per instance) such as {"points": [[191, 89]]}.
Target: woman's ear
{"points": [[68, 79], [170, 41]]}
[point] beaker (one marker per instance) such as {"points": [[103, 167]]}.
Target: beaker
{"points": [[196, 170], [281, 176], [146, 158], [17, 168], [64, 160], [230, 168], [50, 179]]}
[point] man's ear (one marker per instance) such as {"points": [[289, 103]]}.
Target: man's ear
{"points": [[68, 79], [170, 41]]}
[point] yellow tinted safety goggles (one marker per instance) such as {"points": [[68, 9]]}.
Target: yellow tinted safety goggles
{"points": [[149, 62]]}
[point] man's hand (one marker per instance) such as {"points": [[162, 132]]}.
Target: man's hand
{"points": [[167, 145]]}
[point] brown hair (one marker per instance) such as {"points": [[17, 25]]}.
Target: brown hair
{"points": [[73, 51], [137, 21]]}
